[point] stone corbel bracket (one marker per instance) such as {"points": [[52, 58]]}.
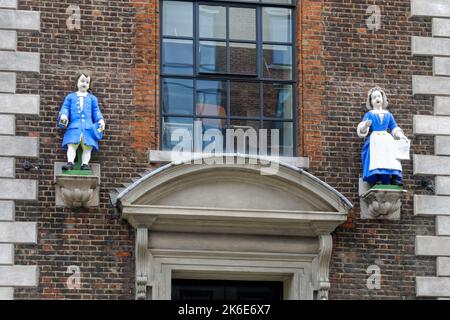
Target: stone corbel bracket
{"points": [[382, 204], [141, 263], [321, 264], [76, 191]]}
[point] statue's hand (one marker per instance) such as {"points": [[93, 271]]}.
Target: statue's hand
{"points": [[102, 124], [367, 124]]}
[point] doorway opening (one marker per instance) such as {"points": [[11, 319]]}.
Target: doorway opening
{"points": [[189, 289]]}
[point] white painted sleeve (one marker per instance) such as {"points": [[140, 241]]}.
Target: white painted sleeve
{"points": [[360, 130], [397, 133]]}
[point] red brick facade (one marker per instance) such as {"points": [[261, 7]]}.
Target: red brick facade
{"points": [[339, 59]]}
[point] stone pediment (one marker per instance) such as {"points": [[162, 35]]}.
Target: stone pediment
{"points": [[233, 198]]}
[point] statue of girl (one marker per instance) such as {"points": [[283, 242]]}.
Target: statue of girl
{"points": [[380, 165]]}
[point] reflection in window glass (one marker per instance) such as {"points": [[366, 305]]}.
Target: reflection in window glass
{"points": [[213, 57], [243, 58], [277, 62], [286, 137], [178, 19], [277, 25], [242, 24], [178, 96], [177, 56], [278, 101], [211, 98], [244, 99], [214, 132], [177, 133], [213, 22]]}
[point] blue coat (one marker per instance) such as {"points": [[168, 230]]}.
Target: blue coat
{"points": [[81, 122]]}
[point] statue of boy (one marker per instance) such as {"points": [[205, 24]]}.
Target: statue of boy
{"points": [[81, 115], [380, 165]]}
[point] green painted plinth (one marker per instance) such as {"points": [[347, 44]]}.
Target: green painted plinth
{"points": [[76, 170], [386, 187]]}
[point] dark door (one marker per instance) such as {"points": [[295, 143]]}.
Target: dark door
{"points": [[226, 290]]}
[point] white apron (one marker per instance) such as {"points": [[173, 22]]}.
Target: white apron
{"points": [[383, 151]]}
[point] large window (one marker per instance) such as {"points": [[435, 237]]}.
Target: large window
{"points": [[228, 64]]}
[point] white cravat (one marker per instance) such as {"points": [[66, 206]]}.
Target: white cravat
{"points": [[81, 96]]}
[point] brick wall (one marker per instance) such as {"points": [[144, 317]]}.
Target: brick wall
{"points": [[338, 61]]}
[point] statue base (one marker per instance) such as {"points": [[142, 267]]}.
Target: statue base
{"points": [[381, 201], [77, 188]]}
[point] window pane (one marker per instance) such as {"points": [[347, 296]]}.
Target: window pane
{"points": [[277, 62], [245, 99], [178, 19], [242, 24], [178, 96], [278, 101], [213, 57], [286, 137], [278, 1], [177, 132], [243, 58], [277, 25], [211, 98], [247, 142], [213, 22], [213, 130], [178, 56]]}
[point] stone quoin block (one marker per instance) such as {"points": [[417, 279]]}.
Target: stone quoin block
{"points": [[18, 232], [8, 40], [19, 104], [19, 20], [443, 225], [15, 189], [441, 66], [19, 61], [431, 125], [432, 246], [431, 205], [426, 85], [433, 287], [7, 124], [7, 210], [441, 27], [11, 4], [431, 165], [443, 266], [442, 185], [6, 253], [19, 146], [442, 146], [430, 8], [7, 167], [6, 293], [7, 82], [426, 46], [442, 106], [19, 276]]}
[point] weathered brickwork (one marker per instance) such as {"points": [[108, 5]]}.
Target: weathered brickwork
{"points": [[339, 59]]}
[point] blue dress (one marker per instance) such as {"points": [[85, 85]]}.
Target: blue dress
{"points": [[383, 174], [81, 121]]}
